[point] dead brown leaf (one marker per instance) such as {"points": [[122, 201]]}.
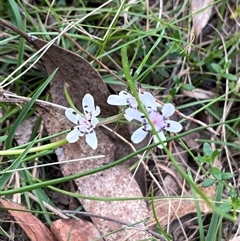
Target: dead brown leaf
{"points": [[200, 19], [81, 78], [74, 230], [24, 130], [175, 208], [198, 93], [32, 226]]}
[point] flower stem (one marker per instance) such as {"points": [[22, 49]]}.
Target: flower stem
{"points": [[34, 149], [111, 119]]}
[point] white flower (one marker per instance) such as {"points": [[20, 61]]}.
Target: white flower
{"points": [[125, 98], [158, 119], [84, 124]]}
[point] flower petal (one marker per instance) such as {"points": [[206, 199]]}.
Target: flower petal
{"points": [[94, 121], [173, 126], [138, 135], [73, 136], [128, 118], [91, 139], [160, 136], [88, 104], [117, 100], [134, 114], [131, 101], [149, 101], [168, 110], [125, 94], [97, 111], [72, 115]]}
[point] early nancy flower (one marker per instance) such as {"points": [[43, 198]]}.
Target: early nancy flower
{"points": [[127, 99], [123, 98], [84, 124], [157, 118]]}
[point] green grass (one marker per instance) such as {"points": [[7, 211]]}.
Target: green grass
{"points": [[155, 52]]}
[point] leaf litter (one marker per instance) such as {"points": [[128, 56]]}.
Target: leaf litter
{"points": [[52, 116], [81, 78]]}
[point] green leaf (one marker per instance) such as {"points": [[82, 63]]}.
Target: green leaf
{"points": [[188, 87], [24, 112], [230, 77], [3, 233], [207, 149], [237, 204], [208, 182], [215, 153], [172, 92], [217, 68], [3, 138], [176, 35], [227, 64], [201, 159], [216, 172], [218, 76], [227, 175], [15, 164]]}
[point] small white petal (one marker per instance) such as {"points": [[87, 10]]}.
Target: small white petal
{"points": [[72, 115], [125, 94], [73, 136], [128, 118], [138, 135], [131, 101], [94, 121], [168, 110], [173, 126], [149, 101], [91, 140], [117, 100], [97, 111], [134, 114], [88, 103], [160, 136]]}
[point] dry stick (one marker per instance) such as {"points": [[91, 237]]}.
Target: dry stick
{"points": [[10, 97], [48, 206], [87, 214]]}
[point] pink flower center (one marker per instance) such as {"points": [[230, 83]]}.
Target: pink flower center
{"points": [[158, 120]]}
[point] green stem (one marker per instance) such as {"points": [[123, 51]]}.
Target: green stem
{"points": [[34, 149], [56, 144]]}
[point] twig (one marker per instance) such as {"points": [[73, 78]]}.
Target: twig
{"points": [[10, 97], [87, 214]]}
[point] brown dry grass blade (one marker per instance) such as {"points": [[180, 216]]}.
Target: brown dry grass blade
{"points": [[200, 19], [33, 227], [82, 78]]}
